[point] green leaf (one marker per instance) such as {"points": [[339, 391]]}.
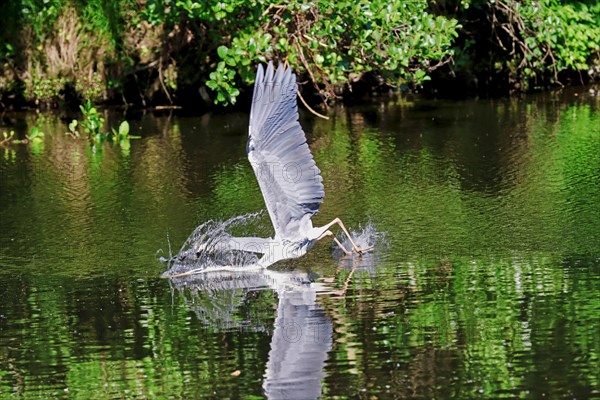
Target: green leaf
{"points": [[212, 84], [222, 51], [35, 133], [73, 127], [124, 128], [419, 74]]}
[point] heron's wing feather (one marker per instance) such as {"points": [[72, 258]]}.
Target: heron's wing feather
{"points": [[289, 179]]}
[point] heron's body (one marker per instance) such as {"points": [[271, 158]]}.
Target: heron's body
{"points": [[277, 249]]}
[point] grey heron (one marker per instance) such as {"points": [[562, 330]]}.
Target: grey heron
{"points": [[289, 179]]}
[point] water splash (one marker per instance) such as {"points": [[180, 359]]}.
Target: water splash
{"points": [[364, 237], [207, 247]]}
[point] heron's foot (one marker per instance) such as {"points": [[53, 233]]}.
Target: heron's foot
{"points": [[361, 251]]}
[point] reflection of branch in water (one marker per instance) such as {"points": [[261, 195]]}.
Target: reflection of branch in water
{"points": [[365, 263], [331, 302]]}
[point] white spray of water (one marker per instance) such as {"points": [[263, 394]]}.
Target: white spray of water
{"points": [[206, 248], [364, 237]]}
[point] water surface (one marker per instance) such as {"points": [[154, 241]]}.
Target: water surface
{"points": [[487, 285]]}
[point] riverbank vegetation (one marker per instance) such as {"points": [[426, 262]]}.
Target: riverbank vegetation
{"points": [[180, 52]]}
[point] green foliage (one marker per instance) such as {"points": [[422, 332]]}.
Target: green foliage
{"points": [[534, 42], [73, 129], [46, 89], [221, 81], [57, 46], [157, 49], [569, 31], [35, 138], [7, 52], [122, 135], [92, 123], [7, 138], [335, 43], [40, 16], [35, 135], [92, 126]]}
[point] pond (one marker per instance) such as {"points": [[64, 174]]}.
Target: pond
{"points": [[484, 284]]}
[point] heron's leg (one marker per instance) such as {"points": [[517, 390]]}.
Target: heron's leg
{"points": [[329, 233], [341, 225]]}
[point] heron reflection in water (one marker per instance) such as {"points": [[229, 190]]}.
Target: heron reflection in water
{"points": [[301, 335], [288, 177]]}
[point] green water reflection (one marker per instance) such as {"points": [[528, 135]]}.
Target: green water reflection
{"points": [[487, 287]]}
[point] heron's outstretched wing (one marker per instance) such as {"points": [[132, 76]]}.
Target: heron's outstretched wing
{"points": [[289, 179]]}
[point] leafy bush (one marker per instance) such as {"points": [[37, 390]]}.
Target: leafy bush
{"points": [[62, 45], [336, 42], [155, 50], [532, 42], [35, 138], [92, 126]]}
